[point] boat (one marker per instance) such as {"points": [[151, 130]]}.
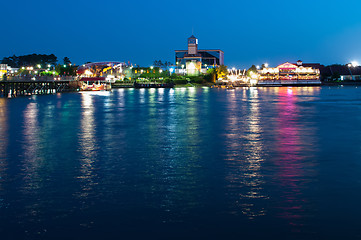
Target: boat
{"points": [[94, 84]]}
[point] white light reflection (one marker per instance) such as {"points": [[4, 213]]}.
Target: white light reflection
{"points": [[160, 94], [88, 145], [245, 154], [3, 141], [32, 142], [121, 98], [142, 95]]}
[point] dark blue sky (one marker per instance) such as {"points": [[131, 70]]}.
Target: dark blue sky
{"points": [[249, 32]]}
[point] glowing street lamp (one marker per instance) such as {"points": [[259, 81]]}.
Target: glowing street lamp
{"points": [[257, 66], [151, 67], [349, 69], [266, 65], [39, 66]]}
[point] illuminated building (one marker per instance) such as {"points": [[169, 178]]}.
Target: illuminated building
{"points": [[289, 73], [194, 61], [3, 69], [110, 70]]}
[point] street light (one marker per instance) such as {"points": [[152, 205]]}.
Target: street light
{"points": [[349, 68], [266, 65]]}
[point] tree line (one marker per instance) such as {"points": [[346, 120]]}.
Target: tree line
{"points": [[33, 60], [30, 60]]}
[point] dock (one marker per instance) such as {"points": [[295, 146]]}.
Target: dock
{"points": [[14, 87]]}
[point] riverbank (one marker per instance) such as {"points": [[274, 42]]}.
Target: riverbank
{"points": [[346, 83]]}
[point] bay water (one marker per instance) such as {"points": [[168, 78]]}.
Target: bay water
{"points": [[183, 163]]}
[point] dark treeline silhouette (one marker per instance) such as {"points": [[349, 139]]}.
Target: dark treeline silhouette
{"points": [[159, 63], [30, 60]]}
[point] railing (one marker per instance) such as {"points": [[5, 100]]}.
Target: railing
{"points": [[288, 82], [39, 78]]}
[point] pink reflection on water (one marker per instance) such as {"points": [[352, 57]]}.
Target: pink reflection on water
{"points": [[290, 145]]}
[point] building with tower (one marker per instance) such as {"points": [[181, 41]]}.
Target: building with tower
{"points": [[194, 61]]}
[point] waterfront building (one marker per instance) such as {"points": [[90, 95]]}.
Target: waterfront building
{"points": [[290, 74], [194, 61], [110, 70], [3, 70]]}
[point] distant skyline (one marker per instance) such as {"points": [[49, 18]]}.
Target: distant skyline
{"points": [[140, 32]]}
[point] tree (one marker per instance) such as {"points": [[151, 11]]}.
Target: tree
{"points": [[211, 75], [52, 59], [335, 76], [222, 72], [159, 63], [251, 70], [30, 60], [66, 61], [166, 64], [11, 61]]}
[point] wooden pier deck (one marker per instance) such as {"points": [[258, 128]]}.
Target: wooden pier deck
{"points": [[26, 86]]}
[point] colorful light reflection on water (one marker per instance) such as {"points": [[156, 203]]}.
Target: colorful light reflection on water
{"points": [[194, 163]]}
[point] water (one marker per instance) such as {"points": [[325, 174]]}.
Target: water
{"points": [[185, 163]]}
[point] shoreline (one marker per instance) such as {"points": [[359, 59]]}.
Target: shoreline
{"points": [[326, 84]]}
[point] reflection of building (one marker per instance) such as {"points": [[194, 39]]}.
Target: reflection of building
{"points": [[290, 74], [193, 61]]}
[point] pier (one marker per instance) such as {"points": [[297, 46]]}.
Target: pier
{"points": [[14, 87]]}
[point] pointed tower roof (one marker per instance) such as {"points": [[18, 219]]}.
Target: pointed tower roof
{"points": [[192, 37]]}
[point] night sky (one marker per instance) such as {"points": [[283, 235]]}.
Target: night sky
{"points": [[249, 32]]}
